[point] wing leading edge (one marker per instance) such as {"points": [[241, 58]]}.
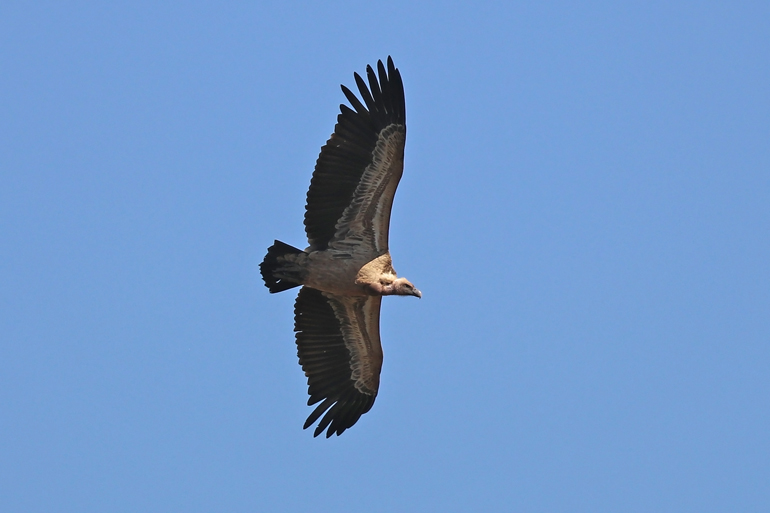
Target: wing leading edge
{"points": [[338, 345], [359, 167]]}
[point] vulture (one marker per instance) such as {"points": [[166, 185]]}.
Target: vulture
{"points": [[347, 268]]}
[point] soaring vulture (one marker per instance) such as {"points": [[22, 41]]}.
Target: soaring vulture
{"points": [[347, 268]]}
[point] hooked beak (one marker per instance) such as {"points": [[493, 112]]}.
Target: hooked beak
{"points": [[417, 293]]}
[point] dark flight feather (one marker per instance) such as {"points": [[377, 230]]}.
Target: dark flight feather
{"points": [[319, 332], [348, 152]]}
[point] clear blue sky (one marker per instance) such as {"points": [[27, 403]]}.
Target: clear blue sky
{"points": [[585, 206]]}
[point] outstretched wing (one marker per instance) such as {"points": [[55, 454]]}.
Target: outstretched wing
{"points": [[338, 344], [358, 170]]}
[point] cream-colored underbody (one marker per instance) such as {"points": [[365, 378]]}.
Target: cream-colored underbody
{"points": [[350, 276]]}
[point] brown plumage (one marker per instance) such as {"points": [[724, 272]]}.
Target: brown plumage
{"points": [[347, 268]]}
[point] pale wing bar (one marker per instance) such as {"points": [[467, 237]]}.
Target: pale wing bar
{"points": [[349, 151], [339, 349], [367, 219]]}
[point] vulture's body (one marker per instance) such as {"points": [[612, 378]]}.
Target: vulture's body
{"points": [[347, 268]]}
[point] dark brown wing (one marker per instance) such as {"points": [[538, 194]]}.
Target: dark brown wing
{"points": [[368, 142], [338, 344]]}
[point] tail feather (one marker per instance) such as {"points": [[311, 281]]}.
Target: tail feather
{"points": [[280, 269]]}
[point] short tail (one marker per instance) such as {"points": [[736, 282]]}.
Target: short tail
{"points": [[282, 269]]}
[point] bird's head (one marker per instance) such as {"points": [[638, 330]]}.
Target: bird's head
{"points": [[403, 287]]}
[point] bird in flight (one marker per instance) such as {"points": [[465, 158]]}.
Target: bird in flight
{"points": [[346, 269]]}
